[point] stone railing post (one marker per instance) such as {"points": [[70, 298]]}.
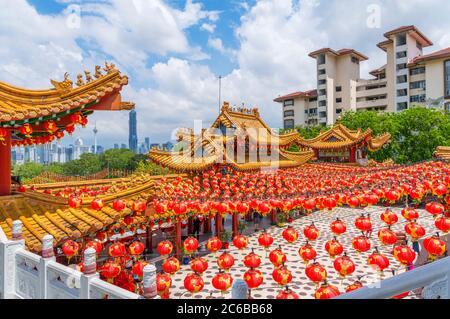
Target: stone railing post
{"points": [[89, 272], [17, 230], [239, 289], [48, 256], [149, 282], [8, 249]]}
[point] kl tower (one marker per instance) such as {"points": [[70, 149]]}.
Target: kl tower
{"points": [[95, 138]]}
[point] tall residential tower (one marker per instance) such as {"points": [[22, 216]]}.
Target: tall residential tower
{"points": [[132, 137]]}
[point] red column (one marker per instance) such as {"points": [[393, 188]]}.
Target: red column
{"points": [[218, 220], [352, 155], [149, 240], [207, 225], [178, 239], [190, 226], [273, 217], [5, 165], [235, 224]]}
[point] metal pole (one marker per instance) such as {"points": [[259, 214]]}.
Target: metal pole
{"points": [[220, 92]]}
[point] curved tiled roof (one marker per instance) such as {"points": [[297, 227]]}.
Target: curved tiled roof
{"points": [[442, 152]]}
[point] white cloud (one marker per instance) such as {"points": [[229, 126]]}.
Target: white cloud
{"points": [[208, 27]]}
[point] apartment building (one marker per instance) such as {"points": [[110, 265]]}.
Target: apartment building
{"points": [[408, 77]]}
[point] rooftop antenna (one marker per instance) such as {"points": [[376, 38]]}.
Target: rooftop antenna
{"points": [[220, 92], [95, 137]]}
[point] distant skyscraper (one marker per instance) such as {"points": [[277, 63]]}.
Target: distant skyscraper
{"points": [[95, 138], [123, 146], [147, 143], [116, 146], [132, 137]]}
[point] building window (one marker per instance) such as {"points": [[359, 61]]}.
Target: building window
{"points": [[415, 71], [418, 85], [321, 59], [338, 88], [312, 111], [289, 113], [401, 39], [402, 92], [447, 78], [314, 99], [355, 60], [306, 111], [288, 103], [339, 100], [322, 92], [402, 106], [322, 103], [322, 71], [322, 82], [447, 106], [338, 111], [401, 54], [288, 124], [323, 115], [401, 66], [417, 98], [402, 79]]}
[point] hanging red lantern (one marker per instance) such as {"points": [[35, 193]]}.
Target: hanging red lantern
{"points": [[338, 227], [316, 272], [353, 202], [199, 265], [282, 275], [164, 248], [76, 118], [3, 134], [190, 245], [378, 261], [287, 294], [96, 245], [59, 134], [70, 248], [75, 202], [363, 223], [97, 204], [26, 130], [163, 283], [392, 196], [389, 217], [117, 250], [361, 244], [440, 190], [435, 208], [371, 199], [225, 261], [84, 121], [101, 236], [222, 282], [307, 253], [329, 203], [110, 270], [70, 128], [404, 254], [410, 213], [334, 247], [138, 206], [277, 257], [435, 247], [214, 244], [193, 283], [309, 204], [387, 236], [252, 260], [311, 232], [136, 248], [344, 266], [265, 240], [354, 286], [118, 205], [326, 291], [50, 127], [253, 278], [443, 224], [415, 231], [171, 265], [290, 234], [240, 241], [138, 268]]}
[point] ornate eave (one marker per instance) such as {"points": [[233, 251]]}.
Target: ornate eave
{"points": [[442, 152]]}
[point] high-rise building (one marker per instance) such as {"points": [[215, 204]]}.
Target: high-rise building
{"points": [[408, 77], [116, 146], [132, 137], [147, 143]]}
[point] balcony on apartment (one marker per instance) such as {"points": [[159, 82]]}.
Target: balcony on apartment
{"points": [[364, 103]]}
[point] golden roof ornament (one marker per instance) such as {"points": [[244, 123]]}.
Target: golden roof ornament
{"points": [[64, 86], [225, 106], [256, 112], [98, 72], [88, 76], [109, 67], [80, 81]]}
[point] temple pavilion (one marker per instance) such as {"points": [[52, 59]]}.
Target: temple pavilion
{"points": [[442, 152]]}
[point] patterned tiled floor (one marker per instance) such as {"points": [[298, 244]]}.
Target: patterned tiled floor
{"points": [[300, 283]]}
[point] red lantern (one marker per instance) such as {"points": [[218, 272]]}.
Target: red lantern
{"points": [[443, 224], [190, 245], [50, 127], [26, 130], [163, 283], [404, 254], [225, 261], [392, 196], [378, 261], [214, 244], [252, 260], [363, 223], [334, 248], [59, 134], [193, 283], [110, 270], [311, 232], [355, 286], [70, 249], [199, 265], [240, 241], [307, 253], [222, 281], [84, 121], [353, 202], [138, 206], [290, 234], [3, 134], [96, 245], [282, 275], [371, 199], [361, 244], [344, 266], [75, 202], [164, 248], [415, 231], [287, 294], [138, 268], [136, 248], [265, 240], [326, 291], [171, 265], [316, 272], [329, 203], [97, 204], [338, 227], [277, 257], [309, 204], [117, 250], [410, 213], [118, 205], [435, 247], [389, 217], [70, 128], [435, 208], [253, 278], [76, 118], [387, 236]]}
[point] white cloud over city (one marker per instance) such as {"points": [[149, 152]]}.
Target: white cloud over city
{"points": [[171, 78]]}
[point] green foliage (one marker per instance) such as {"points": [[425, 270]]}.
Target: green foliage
{"points": [[311, 131], [87, 164], [27, 171], [116, 158], [151, 168]]}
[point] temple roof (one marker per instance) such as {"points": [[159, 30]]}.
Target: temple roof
{"points": [[442, 152]]}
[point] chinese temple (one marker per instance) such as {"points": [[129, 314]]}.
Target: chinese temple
{"points": [[238, 139], [29, 117], [339, 144], [442, 152]]}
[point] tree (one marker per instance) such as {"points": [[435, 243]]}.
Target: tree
{"points": [[87, 164], [119, 159], [151, 168], [27, 171]]}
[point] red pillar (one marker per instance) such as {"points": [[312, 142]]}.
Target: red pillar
{"points": [[273, 217], [178, 240], [149, 239], [5, 165], [352, 155], [207, 225], [218, 220], [190, 226], [235, 224]]}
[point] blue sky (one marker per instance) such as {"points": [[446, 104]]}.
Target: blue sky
{"points": [[174, 50]]}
